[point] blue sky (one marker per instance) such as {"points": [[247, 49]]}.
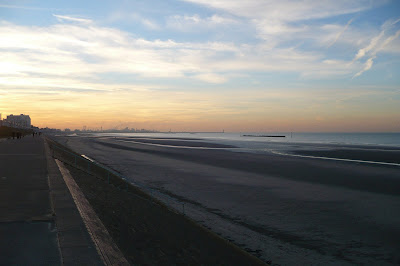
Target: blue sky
{"points": [[200, 65]]}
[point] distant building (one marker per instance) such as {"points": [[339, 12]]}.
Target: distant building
{"points": [[19, 120]]}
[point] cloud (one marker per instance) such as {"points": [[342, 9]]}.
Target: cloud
{"points": [[23, 7], [272, 18], [150, 24], [288, 10], [373, 43], [341, 32], [390, 23], [62, 18], [377, 44], [286, 21], [87, 51], [389, 40], [131, 16], [189, 23], [367, 66], [211, 78], [83, 50]]}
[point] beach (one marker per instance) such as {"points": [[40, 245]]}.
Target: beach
{"points": [[283, 208]]}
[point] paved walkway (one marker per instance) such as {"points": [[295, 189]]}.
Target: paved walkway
{"points": [[39, 222]]}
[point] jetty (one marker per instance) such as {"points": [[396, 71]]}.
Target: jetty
{"points": [[265, 136]]}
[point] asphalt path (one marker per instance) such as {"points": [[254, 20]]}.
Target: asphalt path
{"points": [[27, 228], [39, 221]]}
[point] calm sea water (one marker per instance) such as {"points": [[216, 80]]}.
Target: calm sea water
{"points": [[238, 139]]}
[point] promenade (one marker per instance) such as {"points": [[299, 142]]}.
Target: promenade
{"points": [[39, 222]]}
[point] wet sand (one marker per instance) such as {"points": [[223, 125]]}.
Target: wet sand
{"points": [[280, 208]]}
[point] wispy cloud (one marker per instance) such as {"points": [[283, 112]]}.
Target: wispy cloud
{"points": [[85, 50], [194, 22], [367, 66], [377, 44], [289, 10], [341, 32], [275, 19], [211, 78], [389, 40], [80, 48], [24, 7], [63, 18], [135, 17], [370, 47]]}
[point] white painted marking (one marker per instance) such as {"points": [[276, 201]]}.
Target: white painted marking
{"points": [[173, 146], [335, 159], [276, 152], [86, 157]]}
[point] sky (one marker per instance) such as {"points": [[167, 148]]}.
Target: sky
{"points": [[199, 65]]}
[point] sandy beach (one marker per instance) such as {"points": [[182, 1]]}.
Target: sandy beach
{"points": [[281, 208]]}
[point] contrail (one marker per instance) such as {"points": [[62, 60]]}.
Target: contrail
{"points": [[341, 32]]}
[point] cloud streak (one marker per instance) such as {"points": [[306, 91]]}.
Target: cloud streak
{"points": [[272, 18], [62, 18], [377, 44], [24, 7], [288, 10], [189, 23], [367, 66], [341, 32]]}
